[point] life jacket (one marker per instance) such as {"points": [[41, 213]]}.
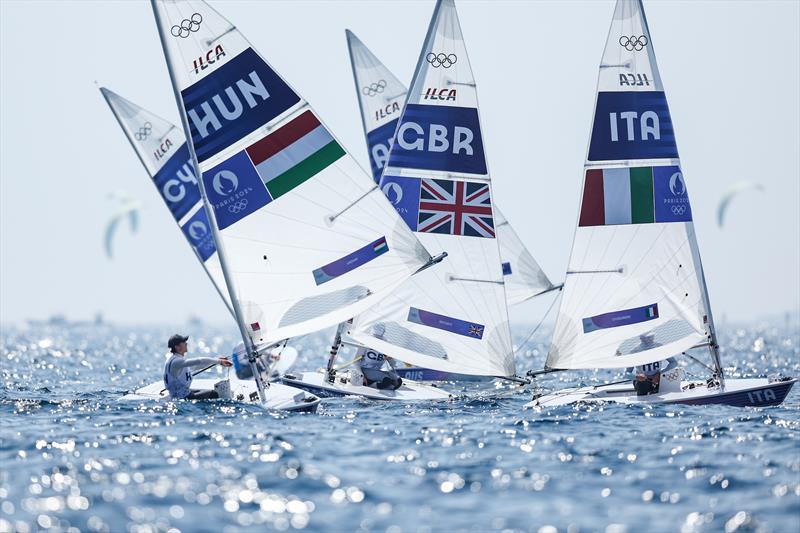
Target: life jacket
{"points": [[179, 386], [371, 359]]}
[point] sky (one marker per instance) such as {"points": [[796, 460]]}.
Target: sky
{"points": [[731, 71]]}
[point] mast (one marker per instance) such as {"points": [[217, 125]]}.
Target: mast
{"points": [[248, 342], [103, 92], [714, 345]]}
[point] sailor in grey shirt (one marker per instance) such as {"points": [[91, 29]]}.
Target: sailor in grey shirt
{"points": [[178, 374]]}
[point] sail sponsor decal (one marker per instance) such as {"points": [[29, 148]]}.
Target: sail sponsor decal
{"points": [[144, 132], [374, 89], [294, 153], [624, 317], [386, 111], [507, 268], [439, 137], [351, 261], [437, 93], [212, 55], [445, 323], [198, 232], [235, 189], [634, 43], [634, 80], [231, 102], [634, 195], [162, 149], [177, 183], [379, 142], [403, 193], [671, 198], [442, 206], [632, 125], [441, 59]]}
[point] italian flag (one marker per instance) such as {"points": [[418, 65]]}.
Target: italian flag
{"points": [[294, 153], [618, 196]]}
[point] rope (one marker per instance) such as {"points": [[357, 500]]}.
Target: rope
{"points": [[552, 304]]}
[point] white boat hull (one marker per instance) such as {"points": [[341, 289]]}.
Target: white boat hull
{"points": [[279, 397], [317, 383], [754, 392]]}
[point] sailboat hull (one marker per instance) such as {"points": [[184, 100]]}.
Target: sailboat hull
{"points": [[279, 397], [759, 392], [316, 383]]}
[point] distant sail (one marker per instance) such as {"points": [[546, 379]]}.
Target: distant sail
{"points": [[452, 317], [162, 149], [381, 97], [732, 193], [307, 239], [634, 291]]}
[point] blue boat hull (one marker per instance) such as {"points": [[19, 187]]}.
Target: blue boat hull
{"points": [[426, 374], [772, 394]]}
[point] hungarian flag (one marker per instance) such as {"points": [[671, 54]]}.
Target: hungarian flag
{"points": [[294, 153]]}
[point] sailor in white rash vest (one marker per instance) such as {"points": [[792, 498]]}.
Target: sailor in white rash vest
{"points": [[178, 371]]}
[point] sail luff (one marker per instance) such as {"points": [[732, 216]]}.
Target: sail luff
{"points": [[714, 344], [225, 299], [248, 341], [350, 37]]}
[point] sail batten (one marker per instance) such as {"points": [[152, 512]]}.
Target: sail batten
{"points": [[634, 292], [306, 242]]}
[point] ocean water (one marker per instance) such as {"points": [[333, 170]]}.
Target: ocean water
{"points": [[72, 458]]}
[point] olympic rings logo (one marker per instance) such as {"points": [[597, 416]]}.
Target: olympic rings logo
{"points": [[187, 26], [679, 209], [238, 207], [633, 42], [374, 88], [144, 132], [441, 60]]}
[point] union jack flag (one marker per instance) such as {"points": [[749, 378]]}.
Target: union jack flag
{"points": [[476, 330], [455, 208]]}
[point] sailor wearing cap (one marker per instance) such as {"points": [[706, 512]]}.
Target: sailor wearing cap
{"points": [[177, 371]]}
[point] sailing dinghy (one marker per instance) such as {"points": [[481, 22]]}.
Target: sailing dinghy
{"points": [[453, 317], [635, 293], [164, 154], [381, 97], [305, 238]]}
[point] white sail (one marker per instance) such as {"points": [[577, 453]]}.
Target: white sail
{"points": [[452, 317], [162, 149], [306, 238], [381, 97], [634, 291]]}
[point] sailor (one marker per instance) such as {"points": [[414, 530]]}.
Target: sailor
{"points": [[648, 376], [178, 374], [370, 365]]}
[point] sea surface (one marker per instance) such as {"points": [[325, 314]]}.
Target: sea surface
{"points": [[73, 458]]}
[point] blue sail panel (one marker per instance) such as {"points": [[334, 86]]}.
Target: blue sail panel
{"points": [[233, 101], [434, 137]]}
